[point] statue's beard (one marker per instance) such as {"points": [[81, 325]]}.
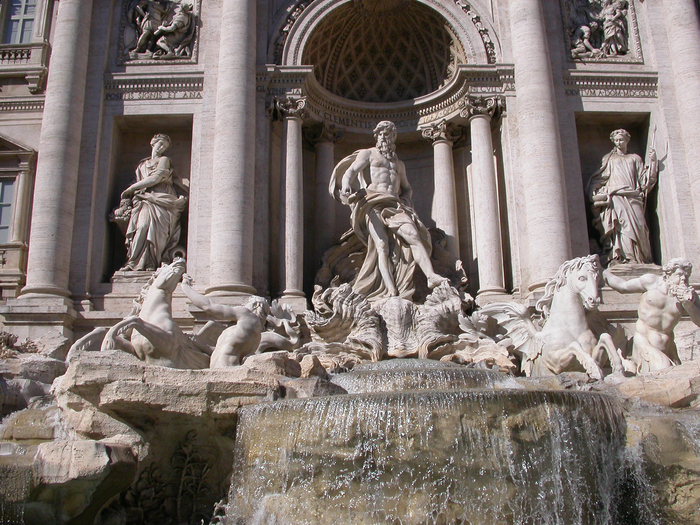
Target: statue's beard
{"points": [[386, 148], [681, 291]]}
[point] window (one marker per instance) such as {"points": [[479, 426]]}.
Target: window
{"points": [[19, 22], [7, 190]]}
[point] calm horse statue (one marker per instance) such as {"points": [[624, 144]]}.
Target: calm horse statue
{"points": [[566, 341]]}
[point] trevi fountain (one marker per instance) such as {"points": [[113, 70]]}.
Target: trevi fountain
{"points": [[362, 262]]}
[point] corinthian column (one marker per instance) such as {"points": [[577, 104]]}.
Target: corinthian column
{"points": [[233, 172], [443, 135], [293, 111], [489, 250], [323, 137], [683, 29], [541, 164], [59, 149]]}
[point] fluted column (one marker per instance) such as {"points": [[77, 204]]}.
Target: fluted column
{"points": [[323, 137], [59, 151], [541, 164], [487, 217], [233, 172], [293, 112], [443, 135], [683, 29]]}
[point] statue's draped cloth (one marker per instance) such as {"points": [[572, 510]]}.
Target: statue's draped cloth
{"points": [[393, 213], [153, 231], [622, 221]]}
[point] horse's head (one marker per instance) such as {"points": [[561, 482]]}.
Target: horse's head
{"points": [[168, 275], [583, 276], [586, 279]]}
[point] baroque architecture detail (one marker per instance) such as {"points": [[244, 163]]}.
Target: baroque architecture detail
{"points": [[600, 29], [292, 107], [475, 105], [158, 30], [442, 130], [483, 31]]}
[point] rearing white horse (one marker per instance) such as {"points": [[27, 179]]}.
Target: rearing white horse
{"points": [[565, 342]]}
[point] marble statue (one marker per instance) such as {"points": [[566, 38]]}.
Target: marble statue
{"points": [[248, 334], [373, 183], [614, 18], [165, 29], [148, 16], [598, 28], [565, 342], [149, 211], [151, 334], [618, 192], [175, 36], [664, 299]]}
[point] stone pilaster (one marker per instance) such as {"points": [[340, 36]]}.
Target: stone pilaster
{"points": [[45, 302], [293, 111], [323, 137], [59, 147], [443, 135], [489, 249], [683, 29], [541, 164], [233, 173]]}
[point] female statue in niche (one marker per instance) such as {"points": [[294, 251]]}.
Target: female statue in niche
{"points": [[149, 211], [618, 192]]}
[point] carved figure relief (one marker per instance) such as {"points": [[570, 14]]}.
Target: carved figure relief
{"points": [[599, 29], [618, 193], [150, 209], [159, 29]]}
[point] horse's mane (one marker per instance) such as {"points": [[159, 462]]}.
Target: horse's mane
{"points": [[556, 282], [138, 301]]}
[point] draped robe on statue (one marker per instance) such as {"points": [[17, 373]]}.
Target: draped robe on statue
{"points": [[153, 231], [393, 212], [623, 225]]}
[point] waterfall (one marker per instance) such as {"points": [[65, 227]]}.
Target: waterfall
{"points": [[429, 457]]}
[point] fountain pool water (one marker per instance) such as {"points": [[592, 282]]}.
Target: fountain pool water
{"points": [[433, 455]]}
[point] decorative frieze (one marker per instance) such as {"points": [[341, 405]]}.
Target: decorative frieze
{"points": [[150, 88], [483, 31], [26, 104], [605, 85]]}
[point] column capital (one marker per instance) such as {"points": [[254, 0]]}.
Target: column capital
{"points": [[323, 132], [291, 108], [442, 131], [483, 105]]}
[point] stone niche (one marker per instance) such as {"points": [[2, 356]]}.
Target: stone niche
{"points": [[131, 144], [593, 130]]}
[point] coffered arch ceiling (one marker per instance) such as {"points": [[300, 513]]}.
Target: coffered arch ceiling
{"points": [[383, 51]]}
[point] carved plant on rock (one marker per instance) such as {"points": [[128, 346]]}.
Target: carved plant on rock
{"points": [[183, 499], [189, 486]]}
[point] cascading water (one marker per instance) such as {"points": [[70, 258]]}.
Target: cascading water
{"points": [[428, 457]]}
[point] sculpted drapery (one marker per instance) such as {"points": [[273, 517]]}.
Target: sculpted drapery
{"points": [[618, 191], [151, 209], [393, 212]]}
